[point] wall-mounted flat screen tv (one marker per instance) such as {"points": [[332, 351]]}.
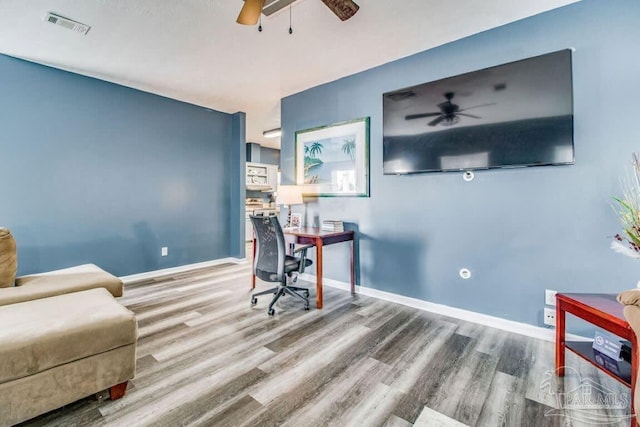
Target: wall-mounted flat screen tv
{"points": [[512, 115]]}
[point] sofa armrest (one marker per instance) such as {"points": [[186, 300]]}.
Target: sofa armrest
{"points": [[58, 282], [630, 297]]}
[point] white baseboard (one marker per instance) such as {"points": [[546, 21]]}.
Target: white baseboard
{"points": [[457, 313], [180, 269]]}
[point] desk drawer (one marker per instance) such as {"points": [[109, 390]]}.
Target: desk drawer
{"points": [[305, 240]]}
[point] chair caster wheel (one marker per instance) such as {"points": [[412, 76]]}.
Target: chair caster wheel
{"points": [[306, 294], [271, 312], [254, 301], [306, 307]]}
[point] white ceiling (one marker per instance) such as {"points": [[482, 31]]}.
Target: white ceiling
{"points": [[193, 50]]}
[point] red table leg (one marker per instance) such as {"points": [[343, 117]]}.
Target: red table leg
{"points": [[560, 338], [634, 375], [319, 273]]}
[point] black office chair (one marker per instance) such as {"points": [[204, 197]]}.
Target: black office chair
{"points": [[272, 264]]}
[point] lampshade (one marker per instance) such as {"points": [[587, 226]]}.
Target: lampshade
{"points": [[289, 195]]}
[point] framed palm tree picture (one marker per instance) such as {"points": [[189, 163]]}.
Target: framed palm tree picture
{"points": [[334, 160]]}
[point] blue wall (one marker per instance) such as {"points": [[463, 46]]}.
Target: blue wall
{"points": [[269, 156], [256, 153], [96, 172], [518, 231], [238, 182]]}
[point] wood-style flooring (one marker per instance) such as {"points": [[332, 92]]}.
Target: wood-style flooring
{"points": [[206, 357]]}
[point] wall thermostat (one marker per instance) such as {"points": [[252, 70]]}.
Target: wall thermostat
{"points": [[468, 176], [465, 273]]}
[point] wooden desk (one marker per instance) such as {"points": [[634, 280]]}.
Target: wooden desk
{"points": [[320, 238], [605, 312]]}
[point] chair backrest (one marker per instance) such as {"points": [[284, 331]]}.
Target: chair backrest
{"points": [[270, 252]]}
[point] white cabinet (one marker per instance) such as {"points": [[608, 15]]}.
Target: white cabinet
{"points": [[261, 177]]}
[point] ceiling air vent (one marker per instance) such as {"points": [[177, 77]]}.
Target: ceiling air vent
{"points": [[399, 96], [67, 23]]}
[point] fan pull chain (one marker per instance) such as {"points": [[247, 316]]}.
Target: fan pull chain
{"points": [[260, 24], [290, 29]]}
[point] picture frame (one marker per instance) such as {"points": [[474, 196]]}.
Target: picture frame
{"points": [[333, 160], [296, 221]]}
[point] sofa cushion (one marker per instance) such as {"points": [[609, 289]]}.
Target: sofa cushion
{"points": [[8, 258], [41, 334]]}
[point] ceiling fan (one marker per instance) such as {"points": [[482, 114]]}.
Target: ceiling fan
{"points": [[251, 10], [449, 113]]}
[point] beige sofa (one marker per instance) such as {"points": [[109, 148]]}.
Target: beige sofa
{"points": [[631, 300], [58, 282], [63, 337], [56, 350]]}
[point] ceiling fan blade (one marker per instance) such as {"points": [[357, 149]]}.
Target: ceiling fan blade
{"points": [[468, 115], [478, 106], [343, 9], [419, 116], [436, 121], [250, 12]]}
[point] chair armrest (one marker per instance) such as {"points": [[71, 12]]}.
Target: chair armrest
{"points": [[299, 248], [302, 249], [630, 297]]}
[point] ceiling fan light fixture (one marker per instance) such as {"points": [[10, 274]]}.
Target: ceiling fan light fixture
{"points": [[450, 121], [272, 133], [343, 9], [250, 13]]}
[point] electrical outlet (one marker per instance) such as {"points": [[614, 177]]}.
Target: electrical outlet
{"points": [[164, 251], [549, 316], [550, 297]]}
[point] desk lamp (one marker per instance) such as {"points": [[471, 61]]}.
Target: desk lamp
{"points": [[288, 195]]}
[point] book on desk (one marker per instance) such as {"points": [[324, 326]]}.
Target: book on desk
{"points": [[332, 225]]}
